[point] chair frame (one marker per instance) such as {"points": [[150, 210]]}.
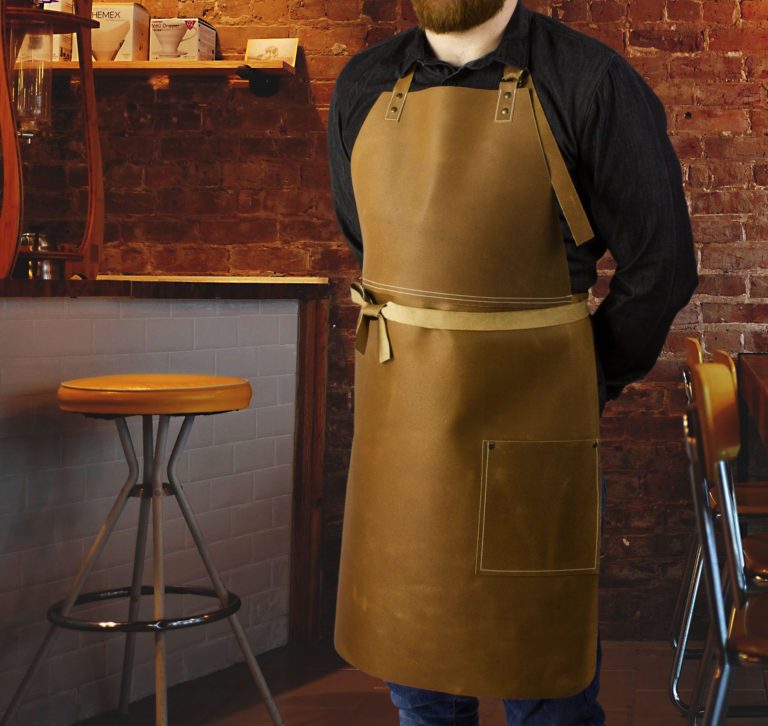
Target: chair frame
{"points": [[726, 596]]}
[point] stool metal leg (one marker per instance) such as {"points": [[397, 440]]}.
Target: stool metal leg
{"points": [[213, 573], [85, 568], [138, 566], [161, 699]]}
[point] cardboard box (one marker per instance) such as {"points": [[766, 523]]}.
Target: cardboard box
{"points": [[180, 39], [123, 34], [62, 42]]}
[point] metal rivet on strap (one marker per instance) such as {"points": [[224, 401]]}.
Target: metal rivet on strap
{"points": [[399, 94], [393, 109], [504, 111], [507, 94]]}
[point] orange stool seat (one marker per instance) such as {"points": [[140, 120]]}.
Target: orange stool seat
{"points": [[154, 394]]}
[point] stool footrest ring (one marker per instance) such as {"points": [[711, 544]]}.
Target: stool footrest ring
{"points": [[146, 626]]}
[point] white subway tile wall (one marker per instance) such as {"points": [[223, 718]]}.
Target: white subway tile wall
{"points": [[60, 472]]}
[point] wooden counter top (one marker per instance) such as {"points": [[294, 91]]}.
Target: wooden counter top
{"points": [[173, 286]]}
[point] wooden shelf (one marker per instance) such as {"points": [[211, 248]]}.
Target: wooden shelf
{"points": [[188, 68]]}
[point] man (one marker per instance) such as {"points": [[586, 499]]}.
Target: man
{"points": [[481, 163]]}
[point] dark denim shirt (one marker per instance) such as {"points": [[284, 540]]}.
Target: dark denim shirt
{"points": [[611, 129]]}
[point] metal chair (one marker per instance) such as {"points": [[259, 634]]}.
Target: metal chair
{"points": [[738, 632], [148, 395], [753, 505]]}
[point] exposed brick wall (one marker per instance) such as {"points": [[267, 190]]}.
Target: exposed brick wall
{"points": [[204, 177]]}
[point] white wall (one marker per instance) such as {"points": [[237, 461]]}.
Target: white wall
{"points": [[60, 472]]}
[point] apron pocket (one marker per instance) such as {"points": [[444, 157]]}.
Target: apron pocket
{"points": [[539, 508]]}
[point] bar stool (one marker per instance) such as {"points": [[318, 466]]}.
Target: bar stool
{"points": [[148, 395]]}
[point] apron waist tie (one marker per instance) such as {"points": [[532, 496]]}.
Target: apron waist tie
{"points": [[454, 319]]}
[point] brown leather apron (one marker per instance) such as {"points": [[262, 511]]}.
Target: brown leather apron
{"points": [[470, 548]]}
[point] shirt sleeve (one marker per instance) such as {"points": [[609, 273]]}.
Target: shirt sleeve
{"points": [[631, 176], [340, 174]]}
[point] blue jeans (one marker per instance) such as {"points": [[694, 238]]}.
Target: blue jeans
{"points": [[421, 707]]}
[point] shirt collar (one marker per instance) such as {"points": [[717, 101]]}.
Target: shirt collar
{"points": [[512, 49]]}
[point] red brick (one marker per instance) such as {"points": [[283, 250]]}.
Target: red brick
{"points": [[308, 229], [182, 259], [654, 68], [121, 203], [77, 175], [699, 175], [723, 337], [741, 94], [728, 202], [233, 38], [710, 229], [755, 229], [266, 259], [754, 10], [758, 286], [638, 398], [260, 174], [325, 66], [734, 257], [343, 9], [665, 39], [721, 12], [377, 34], [321, 91], [612, 36], [674, 93], [759, 119], [380, 9], [743, 39], [349, 39], [756, 66], [724, 285], [244, 231], [761, 174], [289, 202], [748, 148], [706, 65], [686, 145], [689, 315], [196, 202], [307, 9], [730, 173], [711, 120], [654, 428], [570, 11], [122, 175], [607, 11], [756, 341], [686, 10], [316, 175], [642, 11], [735, 312]]}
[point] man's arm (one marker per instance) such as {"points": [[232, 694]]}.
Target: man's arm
{"points": [[631, 176], [341, 179]]}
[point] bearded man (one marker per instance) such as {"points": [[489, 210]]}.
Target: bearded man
{"points": [[481, 164]]}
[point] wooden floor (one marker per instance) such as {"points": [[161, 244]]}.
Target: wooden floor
{"points": [[313, 686]]}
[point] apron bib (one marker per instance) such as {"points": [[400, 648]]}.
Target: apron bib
{"points": [[470, 546]]}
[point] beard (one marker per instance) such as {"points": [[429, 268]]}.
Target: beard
{"points": [[454, 16]]}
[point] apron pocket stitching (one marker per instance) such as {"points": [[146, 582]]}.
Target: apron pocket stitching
{"points": [[503, 535]]}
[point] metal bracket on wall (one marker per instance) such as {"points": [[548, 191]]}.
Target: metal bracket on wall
{"points": [[260, 83]]}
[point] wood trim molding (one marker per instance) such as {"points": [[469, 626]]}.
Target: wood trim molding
{"points": [[308, 481]]}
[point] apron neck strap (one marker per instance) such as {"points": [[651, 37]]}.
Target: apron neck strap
{"points": [[399, 94]]}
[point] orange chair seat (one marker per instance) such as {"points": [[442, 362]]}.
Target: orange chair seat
{"points": [[755, 548], [749, 631], [154, 393], [751, 498]]}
